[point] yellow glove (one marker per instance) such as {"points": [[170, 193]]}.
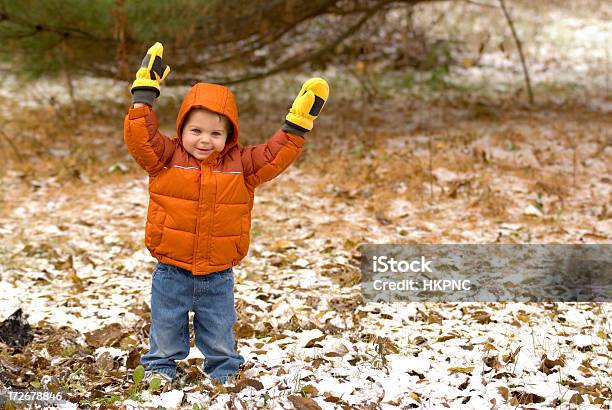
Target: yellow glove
{"points": [[307, 106], [152, 71]]}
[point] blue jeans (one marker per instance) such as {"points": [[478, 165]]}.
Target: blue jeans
{"points": [[175, 291]]}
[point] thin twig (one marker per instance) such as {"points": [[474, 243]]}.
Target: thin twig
{"points": [[290, 62], [520, 50]]}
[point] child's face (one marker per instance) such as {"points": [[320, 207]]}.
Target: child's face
{"points": [[203, 133]]}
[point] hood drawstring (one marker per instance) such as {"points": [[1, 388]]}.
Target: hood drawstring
{"points": [[197, 177]]}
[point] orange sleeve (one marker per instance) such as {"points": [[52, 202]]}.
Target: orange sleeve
{"points": [[148, 146], [263, 162]]}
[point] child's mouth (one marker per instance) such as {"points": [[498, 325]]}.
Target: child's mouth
{"points": [[204, 151]]}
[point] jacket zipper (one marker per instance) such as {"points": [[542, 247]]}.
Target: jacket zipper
{"points": [[201, 205], [212, 216], [197, 232]]}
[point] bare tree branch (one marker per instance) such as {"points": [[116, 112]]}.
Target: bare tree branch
{"points": [[520, 50]]}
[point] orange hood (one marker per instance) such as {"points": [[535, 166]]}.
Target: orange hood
{"points": [[213, 97]]}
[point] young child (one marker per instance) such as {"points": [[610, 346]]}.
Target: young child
{"points": [[201, 187]]}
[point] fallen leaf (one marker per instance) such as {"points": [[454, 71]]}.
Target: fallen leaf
{"points": [[303, 403], [310, 390], [445, 338], [576, 399], [133, 359], [465, 370], [256, 384], [546, 364], [106, 336], [105, 362], [415, 396], [313, 342], [481, 317], [523, 397]]}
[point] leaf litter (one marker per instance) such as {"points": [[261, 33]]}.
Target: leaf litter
{"points": [[82, 276]]}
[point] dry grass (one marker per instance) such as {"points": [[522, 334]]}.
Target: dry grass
{"points": [[361, 158]]}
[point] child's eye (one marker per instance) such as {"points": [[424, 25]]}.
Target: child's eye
{"points": [[195, 131]]}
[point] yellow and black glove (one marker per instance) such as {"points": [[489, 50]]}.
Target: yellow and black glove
{"points": [[151, 73], [307, 106]]}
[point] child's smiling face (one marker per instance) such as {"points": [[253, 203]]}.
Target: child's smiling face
{"points": [[204, 132]]}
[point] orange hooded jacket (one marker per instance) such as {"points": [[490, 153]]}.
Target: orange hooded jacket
{"points": [[199, 215]]}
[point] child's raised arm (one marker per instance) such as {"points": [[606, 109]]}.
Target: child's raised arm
{"points": [[148, 146], [263, 162]]}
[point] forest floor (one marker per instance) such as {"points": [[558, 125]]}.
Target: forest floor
{"points": [[74, 261], [427, 166]]}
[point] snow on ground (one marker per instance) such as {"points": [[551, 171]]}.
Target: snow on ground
{"points": [[304, 329]]}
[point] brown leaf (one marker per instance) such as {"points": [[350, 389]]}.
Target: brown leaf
{"points": [[523, 317], [481, 317], [310, 390], [445, 338], [313, 342], [127, 343], [106, 336], [133, 359], [576, 399], [523, 397], [303, 403], [546, 365], [488, 347], [318, 362], [144, 311], [415, 373], [277, 336], [502, 375], [434, 317], [243, 331], [339, 350], [465, 370], [105, 362], [504, 392], [510, 358], [492, 362], [419, 340], [40, 363], [256, 384], [331, 398], [415, 396]]}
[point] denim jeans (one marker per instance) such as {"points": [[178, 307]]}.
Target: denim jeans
{"points": [[175, 291]]}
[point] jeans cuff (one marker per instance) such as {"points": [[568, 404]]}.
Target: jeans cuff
{"points": [[165, 371]]}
